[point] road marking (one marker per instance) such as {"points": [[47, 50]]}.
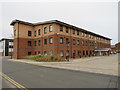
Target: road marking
{"points": [[13, 82], [118, 62]]}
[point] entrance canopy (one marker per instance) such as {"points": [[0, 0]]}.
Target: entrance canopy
{"points": [[102, 49]]}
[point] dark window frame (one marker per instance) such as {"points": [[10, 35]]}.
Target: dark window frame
{"points": [[39, 31], [61, 28], [29, 43], [50, 28], [50, 40], [60, 40], [45, 30], [29, 33]]}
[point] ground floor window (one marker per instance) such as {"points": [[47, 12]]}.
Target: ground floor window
{"points": [[78, 52], [61, 53], [51, 53], [39, 52], [67, 53], [83, 52], [29, 53], [45, 53]]}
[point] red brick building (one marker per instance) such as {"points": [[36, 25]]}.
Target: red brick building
{"points": [[116, 47], [55, 37]]}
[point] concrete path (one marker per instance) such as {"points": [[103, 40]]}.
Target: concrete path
{"points": [[98, 64]]}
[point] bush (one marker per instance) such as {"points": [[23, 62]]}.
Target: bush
{"points": [[33, 57], [54, 58], [117, 51]]}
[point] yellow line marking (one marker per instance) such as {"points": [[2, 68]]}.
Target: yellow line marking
{"points": [[13, 82], [118, 62]]}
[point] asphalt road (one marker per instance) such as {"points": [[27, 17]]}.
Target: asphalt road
{"points": [[32, 76]]}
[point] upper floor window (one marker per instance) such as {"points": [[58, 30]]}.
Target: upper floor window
{"points": [[51, 29], [67, 41], [83, 43], [51, 40], [82, 34], [67, 30], [34, 43], [61, 40], [51, 53], [38, 31], [86, 43], [61, 28], [29, 43], [38, 42], [45, 41], [74, 41], [35, 33], [45, 30], [78, 42], [29, 33], [14, 32], [73, 31], [77, 32]]}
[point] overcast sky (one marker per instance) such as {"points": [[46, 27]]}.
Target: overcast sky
{"points": [[98, 17]]}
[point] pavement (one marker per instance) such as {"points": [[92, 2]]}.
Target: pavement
{"points": [[35, 76], [98, 64]]}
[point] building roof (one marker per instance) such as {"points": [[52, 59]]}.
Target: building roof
{"points": [[5, 39], [58, 22]]}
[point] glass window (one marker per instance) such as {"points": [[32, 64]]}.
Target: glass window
{"points": [[29, 43], [39, 52], [74, 41], [83, 43], [77, 32], [67, 30], [45, 30], [34, 43], [51, 40], [29, 33], [35, 33], [39, 32], [67, 41], [51, 53], [61, 28], [82, 34], [29, 53], [38, 42], [61, 40], [78, 52], [45, 41], [14, 32], [67, 53], [50, 28], [61, 53], [78, 42], [45, 53], [73, 31]]}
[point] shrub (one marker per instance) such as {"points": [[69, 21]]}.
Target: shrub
{"points": [[33, 57], [117, 51], [54, 58]]}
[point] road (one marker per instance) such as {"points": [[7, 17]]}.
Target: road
{"points": [[32, 76]]}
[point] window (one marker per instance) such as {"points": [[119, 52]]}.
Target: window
{"points": [[35, 33], [83, 43], [67, 41], [82, 34], [38, 31], [45, 41], [67, 53], [29, 43], [50, 28], [14, 32], [78, 42], [51, 53], [51, 40], [74, 41], [39, 52], [78, 52], [77, 32], [34, 43], [38, 42], [29, 53], [61, 28], [29, 33], [61, 53], [61, 40], [45, 53], [45, 30], [67, 30], [73, 31], [86, 43]]}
